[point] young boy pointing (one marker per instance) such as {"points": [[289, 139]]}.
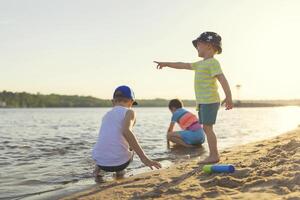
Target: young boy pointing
{"points": [[207, 72]]}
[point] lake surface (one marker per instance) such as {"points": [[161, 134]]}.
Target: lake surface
{"points": [[44, 150]]}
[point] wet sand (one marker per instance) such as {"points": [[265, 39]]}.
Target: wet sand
{"points": [[268, 169]]}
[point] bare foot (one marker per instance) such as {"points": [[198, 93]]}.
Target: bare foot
{"points": [[99, 179], [210, 160], [120, 174], [98, 174]]}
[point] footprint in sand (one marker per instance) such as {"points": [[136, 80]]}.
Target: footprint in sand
{"points": [[254, 163], [174, 190], [146, 185], [227, 182], [281, 161], [241, 173], [225, 151], [142, 178], [293, 144], [260, 145], [268, 172]]}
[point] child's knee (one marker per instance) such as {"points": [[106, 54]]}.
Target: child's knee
{"points": [[171, 135]]}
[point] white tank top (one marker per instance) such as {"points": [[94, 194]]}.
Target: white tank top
{"points": [[111, 148]]}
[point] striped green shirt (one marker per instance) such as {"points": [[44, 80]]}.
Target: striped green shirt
{"points": [[206, 88]]}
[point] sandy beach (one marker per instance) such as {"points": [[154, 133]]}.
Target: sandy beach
{"points": [[268, 169]]}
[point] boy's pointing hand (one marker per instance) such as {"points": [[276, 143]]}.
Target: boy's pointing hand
{"points": [[160, 65]]}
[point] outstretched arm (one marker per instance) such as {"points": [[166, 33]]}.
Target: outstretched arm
{"points": [[175, 65], [170, 129], [132, 141], [224, 83]]}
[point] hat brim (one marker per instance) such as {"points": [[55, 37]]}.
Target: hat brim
{"points": [[195, 43], [197, 40]]}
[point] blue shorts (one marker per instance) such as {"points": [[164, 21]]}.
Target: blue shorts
{"points": [[208, 113], [192, 137]]}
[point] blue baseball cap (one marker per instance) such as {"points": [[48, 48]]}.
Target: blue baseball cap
{"points": [[125, 91]]}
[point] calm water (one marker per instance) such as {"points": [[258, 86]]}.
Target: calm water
{"points": [[49, 149]]}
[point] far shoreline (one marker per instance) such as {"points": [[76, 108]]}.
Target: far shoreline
{"points": [[28, 100], [136, 107]]}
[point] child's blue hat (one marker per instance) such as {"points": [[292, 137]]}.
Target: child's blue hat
{"points": [[125, 91]]}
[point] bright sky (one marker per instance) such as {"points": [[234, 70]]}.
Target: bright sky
{"points": [[88, 47]]}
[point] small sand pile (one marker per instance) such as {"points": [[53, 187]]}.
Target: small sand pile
{"points": [[264, 170]]}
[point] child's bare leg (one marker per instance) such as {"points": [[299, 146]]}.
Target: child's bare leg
{"points": [[96, 171], [176, 138], [97, 174], [212, 144]]}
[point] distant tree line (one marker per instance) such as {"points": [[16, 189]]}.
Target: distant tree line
{"points": [[27, 100], [23, 99]]}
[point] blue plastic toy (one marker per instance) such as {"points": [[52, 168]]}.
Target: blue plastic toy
{"points": [[221, 168]]}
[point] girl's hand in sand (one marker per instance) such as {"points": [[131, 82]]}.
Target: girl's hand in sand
{"points": [[228, 103], [151, 163], [160, 65]]}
